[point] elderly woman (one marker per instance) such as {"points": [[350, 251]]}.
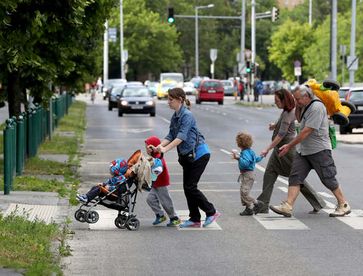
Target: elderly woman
{"points": [[283, 132]]}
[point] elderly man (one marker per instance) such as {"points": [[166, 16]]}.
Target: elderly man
{"points": [[315, 153]]}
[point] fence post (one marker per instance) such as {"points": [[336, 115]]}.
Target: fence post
{"points": [[9, 155], [20, 141]]}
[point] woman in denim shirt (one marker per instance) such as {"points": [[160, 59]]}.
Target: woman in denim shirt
{"points": [[193, 154]]}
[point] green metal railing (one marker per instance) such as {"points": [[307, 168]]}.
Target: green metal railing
{"points": [[24, 135]]}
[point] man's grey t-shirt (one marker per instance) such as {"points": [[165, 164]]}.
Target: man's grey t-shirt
{"points": [[315, 117]]}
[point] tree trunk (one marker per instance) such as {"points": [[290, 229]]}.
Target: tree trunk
{"points": [[14, 94]]}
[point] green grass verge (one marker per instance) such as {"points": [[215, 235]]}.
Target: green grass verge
{"points": [[26, 246]]}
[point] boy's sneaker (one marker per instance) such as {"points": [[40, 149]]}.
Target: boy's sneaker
{"points": [[258, 207], [174, 222], [190, 224], [211, 219], [341, 210], [159, 219], [246, 212], [284, 209], [82, 198]]}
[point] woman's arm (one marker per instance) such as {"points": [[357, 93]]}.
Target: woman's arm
{"points": [[169, 145], [273, 144]]}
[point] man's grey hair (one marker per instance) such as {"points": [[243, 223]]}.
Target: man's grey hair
{"points": [[304, 90]]}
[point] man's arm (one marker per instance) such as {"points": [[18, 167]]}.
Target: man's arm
{"points": [[305, 132]]}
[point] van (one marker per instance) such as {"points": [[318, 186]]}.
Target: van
{"points": [[210, 91]]}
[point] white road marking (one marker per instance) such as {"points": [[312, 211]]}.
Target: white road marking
{"points": [[274, 221], [354, 219], [326, 195], [284, 189], [106, 220]]}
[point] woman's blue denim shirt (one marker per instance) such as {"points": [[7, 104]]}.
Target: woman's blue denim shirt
{"points": [[184, 127]]}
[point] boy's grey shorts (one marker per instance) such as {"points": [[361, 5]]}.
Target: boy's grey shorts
{"points": [[322, 162]]}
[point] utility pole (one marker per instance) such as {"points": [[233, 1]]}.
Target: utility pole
{"points": [[122, 42], [243, 35], [352, 60], [334, 25], [105, 55], [253, 42]]}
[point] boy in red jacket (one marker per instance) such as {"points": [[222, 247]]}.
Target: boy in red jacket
{"points": [[159, 193]]}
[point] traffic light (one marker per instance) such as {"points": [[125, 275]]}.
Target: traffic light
{"points": [[248, 67], [171, 18], [275, 14]]}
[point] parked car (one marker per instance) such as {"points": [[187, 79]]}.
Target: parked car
{"points": [[355, 97], [136, 99], [189, 88], [343, 92], [210, 91], [228, 87]]}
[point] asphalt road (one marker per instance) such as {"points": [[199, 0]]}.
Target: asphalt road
{"points": [[259, 245]]}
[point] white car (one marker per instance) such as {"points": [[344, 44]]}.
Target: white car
{"points": [[343, 92], [189, 88]]}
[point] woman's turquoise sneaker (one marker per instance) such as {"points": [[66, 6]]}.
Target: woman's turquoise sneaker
{"points": [[190, 224], [211, 219]]}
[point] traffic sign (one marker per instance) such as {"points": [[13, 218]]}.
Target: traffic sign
{"points": [[213, 54], [112, 34], [297, 71]]}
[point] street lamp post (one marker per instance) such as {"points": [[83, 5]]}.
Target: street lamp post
{"points": [[122, 61], [197, 37]]}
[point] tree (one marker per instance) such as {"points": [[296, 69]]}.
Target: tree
{"points": [[41, 43], [288, 44], [151, 42]]}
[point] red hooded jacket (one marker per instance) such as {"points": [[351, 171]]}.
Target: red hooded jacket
{"points": [[163, 179]]}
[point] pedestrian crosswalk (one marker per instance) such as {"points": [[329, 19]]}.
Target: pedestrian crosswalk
{"points": [[107, 221], [273, 221]]}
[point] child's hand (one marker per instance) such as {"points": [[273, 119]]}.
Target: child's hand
{"points": [[264, 152], [235, 155]]}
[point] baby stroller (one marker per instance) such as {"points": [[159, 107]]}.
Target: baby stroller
{"points": [[122, 198]]}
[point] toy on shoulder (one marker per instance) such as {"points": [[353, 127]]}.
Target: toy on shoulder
{"points": [[327, 92]]}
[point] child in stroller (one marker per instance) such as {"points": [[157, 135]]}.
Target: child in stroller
{"points": [[119, 192], [118, 168]]}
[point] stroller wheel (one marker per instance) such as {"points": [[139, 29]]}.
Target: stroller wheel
{"points": [[92, 217], [120, 221], [133, 224], [80, 215]]}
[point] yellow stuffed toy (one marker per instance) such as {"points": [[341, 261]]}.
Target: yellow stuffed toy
{"points": [[328, 94]]}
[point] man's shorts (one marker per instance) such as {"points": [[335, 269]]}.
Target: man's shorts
{"points": [[322, 162]]}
